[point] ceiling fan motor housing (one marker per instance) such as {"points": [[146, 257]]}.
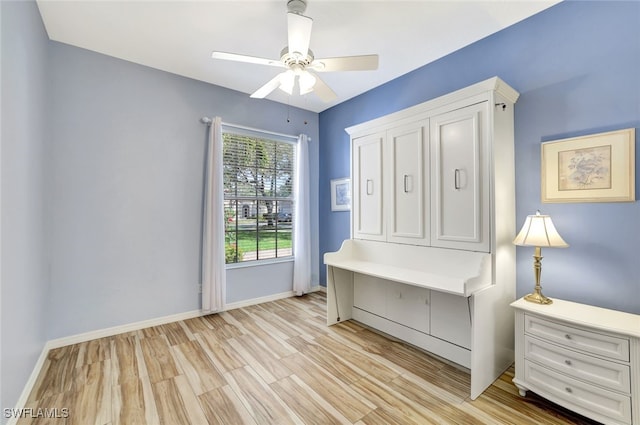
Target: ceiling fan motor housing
{"points": [[290, 59]]}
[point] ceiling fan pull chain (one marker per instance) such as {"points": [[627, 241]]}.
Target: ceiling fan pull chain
{"points": [[288, 107]]}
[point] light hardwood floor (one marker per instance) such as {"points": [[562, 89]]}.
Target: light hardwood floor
{"points": [[273, 363]]}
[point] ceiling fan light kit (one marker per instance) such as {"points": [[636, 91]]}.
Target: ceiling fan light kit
{"points": [[299, 61]]}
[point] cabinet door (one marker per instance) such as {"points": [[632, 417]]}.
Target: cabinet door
{"points": [[370, 294], [367, 213], [451, 318], [459, 166], [408, 305], [408, 189]]}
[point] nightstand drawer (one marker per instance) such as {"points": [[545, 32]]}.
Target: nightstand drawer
{"points": [[577, 338], [595, 402], [591, 369]]}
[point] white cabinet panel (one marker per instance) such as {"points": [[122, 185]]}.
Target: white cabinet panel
{"points": [[459, 164], [451, 318], [370, 294], [408, 305], [368, 216], [409, 189]]}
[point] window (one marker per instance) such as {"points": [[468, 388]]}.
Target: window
{"points": [[258, 196]]}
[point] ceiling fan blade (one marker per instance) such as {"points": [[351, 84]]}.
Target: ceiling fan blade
{"points": [[265, 90], [323, 91], [245, 58], [299, 32], [346, 63]]}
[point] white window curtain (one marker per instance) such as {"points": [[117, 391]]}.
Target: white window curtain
{"points": [[213, 260], [302, 221]]}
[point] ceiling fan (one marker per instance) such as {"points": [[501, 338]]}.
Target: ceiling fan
{"points": [[299, 61]]}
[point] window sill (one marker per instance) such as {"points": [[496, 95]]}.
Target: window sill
{"points": [[258, 263]]}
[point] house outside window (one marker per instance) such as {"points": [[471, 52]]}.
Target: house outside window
{"points": [[258, 196]]}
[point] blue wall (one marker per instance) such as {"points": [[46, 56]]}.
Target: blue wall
{"points": [[25, 142], [576, 67]]}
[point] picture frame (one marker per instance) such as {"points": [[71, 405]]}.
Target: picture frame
{"points": [[341, 194], [592, 168]]}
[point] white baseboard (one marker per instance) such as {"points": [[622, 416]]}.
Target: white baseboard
{"points": [[268, 298], [254, 301], [22, 400], [129, 327], [115, 330]]}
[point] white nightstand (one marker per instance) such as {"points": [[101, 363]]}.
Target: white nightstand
{"points": [[584, 358]]}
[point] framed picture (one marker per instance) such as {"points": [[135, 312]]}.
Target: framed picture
{"points": [[340, 195], [594, 168]]}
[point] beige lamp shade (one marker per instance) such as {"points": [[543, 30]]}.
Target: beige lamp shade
{"points": [[538, 230]]}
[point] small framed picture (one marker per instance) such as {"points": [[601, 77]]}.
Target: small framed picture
{"points": [[593, 168], [340, 194]]}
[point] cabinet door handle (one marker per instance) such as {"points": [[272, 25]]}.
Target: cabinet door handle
{"points": [[569, 390], [567, 362], [567, 336], [456, 179], [369, 185], [404, 183]]}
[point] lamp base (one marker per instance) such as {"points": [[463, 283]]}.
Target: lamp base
{"points": [[538, 298]]}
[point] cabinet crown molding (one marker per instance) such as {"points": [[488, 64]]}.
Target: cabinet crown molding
{"points": [[491, 85]]}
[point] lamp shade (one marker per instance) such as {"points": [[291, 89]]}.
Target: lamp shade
{"points": [[538, 230]]}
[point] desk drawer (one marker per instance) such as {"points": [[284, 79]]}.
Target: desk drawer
{"points": [[577, 338], [594, 370], [594, 402]]}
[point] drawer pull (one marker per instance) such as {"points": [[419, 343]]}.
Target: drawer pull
{"points": [[569, 390], [567, 362], [567, 336]]}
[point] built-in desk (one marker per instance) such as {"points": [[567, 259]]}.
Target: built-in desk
{"points": [[441, 300], [446, 270]]}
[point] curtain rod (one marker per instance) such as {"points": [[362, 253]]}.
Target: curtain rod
{"points": [[207, 121]]}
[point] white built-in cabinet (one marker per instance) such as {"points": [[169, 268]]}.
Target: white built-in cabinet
{"points": [[422, 183], [430, 259]]}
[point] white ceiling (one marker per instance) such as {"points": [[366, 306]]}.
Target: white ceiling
{"points": [[178, 36]]}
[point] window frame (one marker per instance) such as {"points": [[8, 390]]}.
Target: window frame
{"points": [[274, 137]]}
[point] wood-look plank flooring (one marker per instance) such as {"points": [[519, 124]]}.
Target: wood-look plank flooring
{"points": [[273, 363]]}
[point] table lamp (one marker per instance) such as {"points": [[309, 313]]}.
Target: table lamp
{"points": [[538, 231]]}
